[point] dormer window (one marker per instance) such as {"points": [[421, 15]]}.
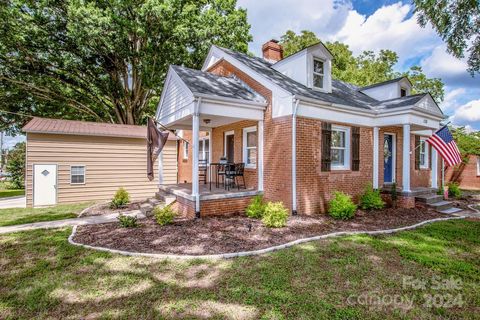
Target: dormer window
{"points": [[318, 73], [403, 92]]}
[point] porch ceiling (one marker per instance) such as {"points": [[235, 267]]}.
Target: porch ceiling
{"points": [[206, 122]]}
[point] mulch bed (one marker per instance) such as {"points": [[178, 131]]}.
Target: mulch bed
{"points": [[233, 234], [104, 208]]}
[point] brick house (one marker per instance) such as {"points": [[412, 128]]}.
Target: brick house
{"points": [[467, 174], [301, 134]]}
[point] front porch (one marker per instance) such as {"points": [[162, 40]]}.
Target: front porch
{"points": [[184, 190]]}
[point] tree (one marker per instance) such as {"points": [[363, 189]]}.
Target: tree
{"points": [[468, 143], [365, 69], [458, 24], [105, 60], [16, 165]]}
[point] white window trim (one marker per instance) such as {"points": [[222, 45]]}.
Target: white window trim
{"points": [[202, 148], [227, 133], [245, 148], [320, 74], [346, 165], [426, 165], [185, 150], [84, 174], [478, 165]]}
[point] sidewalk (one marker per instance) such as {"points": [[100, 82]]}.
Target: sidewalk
{"points": [[12, 202], [68, 222]]}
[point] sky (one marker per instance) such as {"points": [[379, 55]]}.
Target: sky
{"points": [[370, 25], [373, 25]]}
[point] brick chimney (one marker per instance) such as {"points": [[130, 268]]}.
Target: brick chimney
{"points": [[272, 51]]}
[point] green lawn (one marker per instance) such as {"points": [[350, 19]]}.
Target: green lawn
{"points": [[42, 276], [6, 192], [9, 217]]}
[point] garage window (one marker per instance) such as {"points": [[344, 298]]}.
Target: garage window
{"points": [[77, 174]]}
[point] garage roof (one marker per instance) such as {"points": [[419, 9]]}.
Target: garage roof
{"points": [[84, 128]]}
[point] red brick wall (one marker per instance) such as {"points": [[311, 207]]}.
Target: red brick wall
{"points": [[277, 144], [218, 146], [185, 165], [465, 174]]}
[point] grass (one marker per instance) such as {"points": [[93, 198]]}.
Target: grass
{"points": [[6, 192], [42, 276], [14, 216]]}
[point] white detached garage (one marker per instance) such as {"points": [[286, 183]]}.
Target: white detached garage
{"points": [[76, 161]]}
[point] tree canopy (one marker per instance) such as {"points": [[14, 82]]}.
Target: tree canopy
{"points": [[104, 60], [458, 24], [365, 69], [468, 143]]}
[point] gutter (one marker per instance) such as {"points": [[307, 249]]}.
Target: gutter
{"points": [[294, 155]]}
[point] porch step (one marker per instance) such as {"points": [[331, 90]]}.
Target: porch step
{"points": [[429, 198], [147, 207], [451, 210], [165, 198], [441, 205]]}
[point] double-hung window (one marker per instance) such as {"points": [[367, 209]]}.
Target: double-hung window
{"points": [[204, 149], [250, 147], [478, 166], [77, 174], [340, 148], [185, 150], [318, 73], [423, 149]]}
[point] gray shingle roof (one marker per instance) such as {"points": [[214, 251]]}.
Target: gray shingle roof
{"points": [[401, 102], [342, 92], [208, 83], [383, 83]]}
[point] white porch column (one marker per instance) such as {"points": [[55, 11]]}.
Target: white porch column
{"points": [[375, 157], [406, 158], [294, 157], [260, 156], [434, 168], [195, 142]]}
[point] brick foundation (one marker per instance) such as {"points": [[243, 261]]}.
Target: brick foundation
{"points": [[407, 202], [209, 208]]}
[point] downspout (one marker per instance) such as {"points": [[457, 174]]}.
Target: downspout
{"points": [[294, 155]]}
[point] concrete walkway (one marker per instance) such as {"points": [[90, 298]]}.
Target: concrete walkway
{"points": [[12, 202], [69, 222]]}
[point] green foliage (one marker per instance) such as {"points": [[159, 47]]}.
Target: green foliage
{"points": [[105, 60], [365, 69], [440, 191], [127, 221], [120, 199], [371, 199], [468, 143], [275, 215], [16, 166], [256, 208], [458, 24], [164, 215], [454, 190], [341, 206]]}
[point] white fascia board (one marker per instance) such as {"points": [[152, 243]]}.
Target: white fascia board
{"points": [[215, 108], [334, 115], [233, 101], [172, 76], [178, 115], [425, 133]]}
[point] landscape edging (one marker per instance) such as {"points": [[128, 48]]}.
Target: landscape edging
{"points": [[253, 252]]}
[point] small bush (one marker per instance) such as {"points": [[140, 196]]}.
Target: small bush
{"points": [[441, 191], [256, 208], [120, 199], [454, 190], [164, 215], [371, 199], [127, 221], [275, 215], [341, 206]]}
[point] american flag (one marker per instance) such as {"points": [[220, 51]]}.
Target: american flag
{"points": [[443, 142]]}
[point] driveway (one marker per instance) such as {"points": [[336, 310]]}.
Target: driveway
{"points": [[12, 202]]}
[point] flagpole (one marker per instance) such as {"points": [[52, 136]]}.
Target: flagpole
{"points": [[443, 174]]}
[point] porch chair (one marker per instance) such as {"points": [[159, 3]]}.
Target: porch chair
{"points": [[221, 169], [236, 173], [202, 171]]}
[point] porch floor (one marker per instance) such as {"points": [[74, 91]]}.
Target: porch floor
{"points": [[184, 190]]}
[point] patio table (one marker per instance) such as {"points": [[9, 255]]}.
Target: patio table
{"points": [[213, 166]]}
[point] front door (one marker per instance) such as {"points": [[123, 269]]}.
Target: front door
{"points": [[44, 184], [388, 157], [230, 147]]}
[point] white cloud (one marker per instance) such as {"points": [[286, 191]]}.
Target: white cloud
{"points": [[10, 142], [451, 97], [467, 114]]}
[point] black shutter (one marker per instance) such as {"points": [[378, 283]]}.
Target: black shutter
{"points": [[417, 152], [355, 148], [326, 145]]}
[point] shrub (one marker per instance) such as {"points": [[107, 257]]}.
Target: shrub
{"points": [[164, 215], [341, 206], [454, 190], [127, 221], [275, 215], [371, 199], [256, 208], [120, 199], [16, 166]]}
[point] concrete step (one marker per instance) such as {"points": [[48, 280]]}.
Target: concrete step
{"points": [[441, 205], [146, 208], [154, 201], [451, 211], [429, 198], [165, 198]]}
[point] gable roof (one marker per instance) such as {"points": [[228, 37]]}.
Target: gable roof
{"points": [[342, 92], [201, 82], [401, 101], [84, 128], [379, 84]]}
